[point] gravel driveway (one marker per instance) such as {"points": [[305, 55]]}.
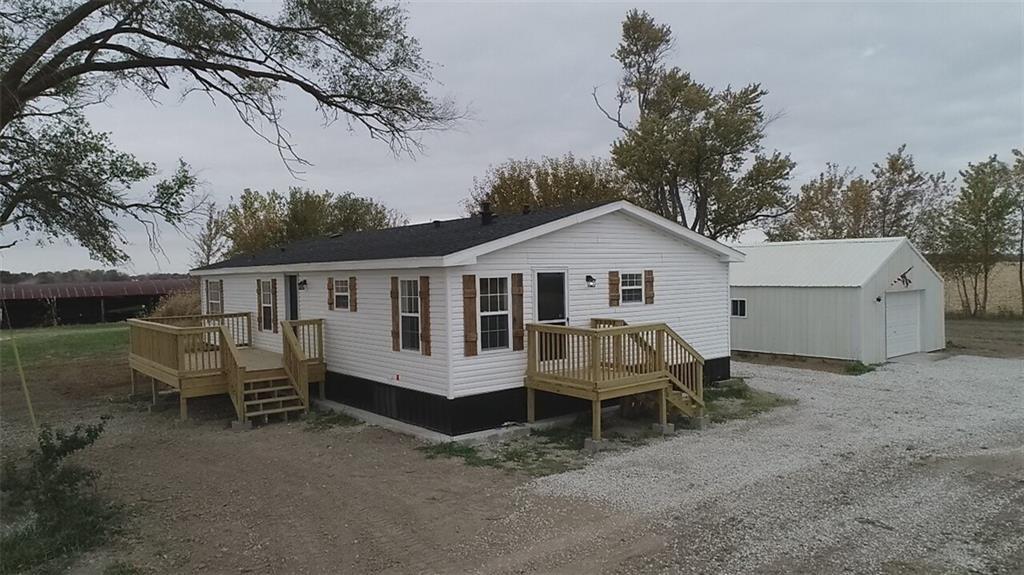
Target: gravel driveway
{"points": [[917, 467]]}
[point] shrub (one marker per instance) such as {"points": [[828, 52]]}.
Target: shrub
{"points": [[858, 368], [62, 512], [178, 303]]}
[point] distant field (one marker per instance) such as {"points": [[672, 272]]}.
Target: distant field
{"points": [[41, 346]]}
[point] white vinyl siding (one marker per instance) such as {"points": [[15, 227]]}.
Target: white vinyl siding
{"points": [[692, 287], [239, 295]]}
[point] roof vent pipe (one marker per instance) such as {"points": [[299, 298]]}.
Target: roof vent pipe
{"points": [[437, 223], [486, 215]]}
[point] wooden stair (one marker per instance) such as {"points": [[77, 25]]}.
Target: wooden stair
{"points": [[269, 394]]}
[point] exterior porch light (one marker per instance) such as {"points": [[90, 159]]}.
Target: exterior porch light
{"points": [[591, 281]]}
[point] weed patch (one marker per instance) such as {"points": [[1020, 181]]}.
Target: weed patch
{"points": [[858, 368], [324, 420], [122, 568], [469, 454], [54, 505], [737, 400]]}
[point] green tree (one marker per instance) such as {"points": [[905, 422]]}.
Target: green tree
{"points": [[896, 199], [1017, 185], [548, 183], [262, 220], [836, 204], [210, 242], [695, 153], [979, 227], [61, 179]]}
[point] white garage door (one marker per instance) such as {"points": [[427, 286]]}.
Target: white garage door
{"points": [[902, 323]]}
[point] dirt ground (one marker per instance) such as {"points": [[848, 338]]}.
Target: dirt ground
{"points": [[201, 498], [986, 337]]}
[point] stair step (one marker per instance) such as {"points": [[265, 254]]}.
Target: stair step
{"points": [[275, 410], [259, 390], [282, 398], [264, 379]]}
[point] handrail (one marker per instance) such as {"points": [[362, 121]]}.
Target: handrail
{"points": [[295, 363], [234, 371]]}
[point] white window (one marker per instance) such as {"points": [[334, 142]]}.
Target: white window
{"points": [[631, 288], [267, 305], [738, 308], [409, 304], [494, 316], [214, 297], [340, 294]]}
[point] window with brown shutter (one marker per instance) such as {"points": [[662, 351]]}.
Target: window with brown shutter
{"points": [[214, 296], [396, 337], [259, 304], [330, 293], [613, 288], [352, 293], [648, 286], [517, 311], [425, 315], [469, 307], [273, 292]]}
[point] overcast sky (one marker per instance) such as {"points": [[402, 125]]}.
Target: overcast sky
{"points": [[852, 80]]}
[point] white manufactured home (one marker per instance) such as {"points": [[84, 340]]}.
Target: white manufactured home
{"points": [[859, 299], [446, 324]]}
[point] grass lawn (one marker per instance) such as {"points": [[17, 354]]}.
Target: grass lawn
{"points": [[45, 346]]}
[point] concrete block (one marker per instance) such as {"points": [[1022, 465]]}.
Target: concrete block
{"points": [[591, 445], [237, 425], [667, 429]]}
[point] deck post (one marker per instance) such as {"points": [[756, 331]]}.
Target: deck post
{"points": [[131, 374], [531, 405], [152, 381], [663, 406], [596, 427], [322, 388], [183, 409]]}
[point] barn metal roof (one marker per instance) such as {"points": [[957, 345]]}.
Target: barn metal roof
{"points": [[819, 263], [94, 289]]}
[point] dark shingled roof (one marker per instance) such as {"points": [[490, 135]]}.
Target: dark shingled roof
{"points": [[420, 240]]}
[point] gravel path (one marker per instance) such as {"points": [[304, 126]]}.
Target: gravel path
{"points": [[916, 467]]}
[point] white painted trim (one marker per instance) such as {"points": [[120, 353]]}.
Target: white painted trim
{"points": [[480, 314], [643, 289], [469, 256]]}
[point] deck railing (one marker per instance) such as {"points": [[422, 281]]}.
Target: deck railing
{"points": [[309, 334], [615, 355], [238, 324]]}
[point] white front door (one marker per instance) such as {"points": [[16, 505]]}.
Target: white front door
{"points": [[902, 323]]}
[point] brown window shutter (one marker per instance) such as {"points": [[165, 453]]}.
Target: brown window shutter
{"points": [[396, 337], [220, 290], [648, 286], [273, 296], [352, 293], [517, 311], [259, 305], [613, 288], [425, 315], [469, 307], [330, 293], [207, 296]]}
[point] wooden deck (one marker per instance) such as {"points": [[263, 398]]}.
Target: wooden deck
{"points": [[197, 356], [610, 360]]}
